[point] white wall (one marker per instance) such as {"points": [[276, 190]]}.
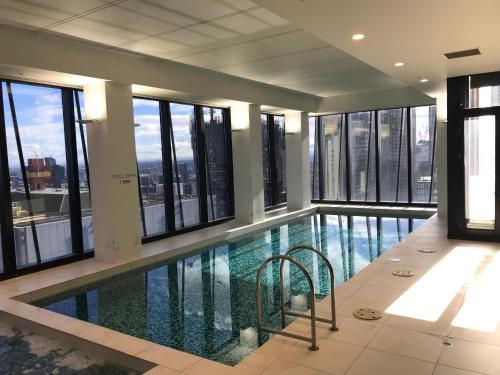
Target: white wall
{"points": [[113, 169]]}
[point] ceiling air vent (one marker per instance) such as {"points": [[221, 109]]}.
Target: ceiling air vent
{"points": [[465, 53]]}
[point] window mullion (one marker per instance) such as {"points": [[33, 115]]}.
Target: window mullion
{"points": [[409, 154], [168, 177], [319, 148], [6, 224], [273, 172], [24, 173], [229, 166], [201, 163], [377, 158], [347, 158], [75, 209]]}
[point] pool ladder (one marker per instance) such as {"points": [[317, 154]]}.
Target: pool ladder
{"points": [[313, 318]]}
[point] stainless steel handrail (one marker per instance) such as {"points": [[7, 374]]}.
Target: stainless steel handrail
{"points": [[333, 320], [261, 327]]}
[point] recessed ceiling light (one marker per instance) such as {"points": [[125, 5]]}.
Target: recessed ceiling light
{"points": [[399, 64], [424, 80], [358, 37]]}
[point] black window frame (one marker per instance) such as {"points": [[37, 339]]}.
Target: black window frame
{"points": [[273, 167], [347, 182], [458, 110], [166, 129], [11, 269]]}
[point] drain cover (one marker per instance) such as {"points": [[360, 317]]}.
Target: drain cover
{"points": [[367, 314], [446, 343], [403, 273], [394, 259], [427, 250]]}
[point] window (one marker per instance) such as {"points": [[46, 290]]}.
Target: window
{"points": [[217, 163], [37, 166], [273, 159], [333, 145], [266, 169], [83, 173], [314, 157], [393, 159], [483, 92], [361, 128], [479, 160], [423, 135], [376, 156], [150, 165], [280, 157], [185, 165], [47, 179]]}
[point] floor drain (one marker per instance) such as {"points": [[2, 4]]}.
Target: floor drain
{"points": [[446, 343], [394, 259], [427, 250], [367, 314], [403, 273]]}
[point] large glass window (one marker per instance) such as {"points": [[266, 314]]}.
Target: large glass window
{"points": [[83, 172], [266, 169], [148, 146], [393, 159], [280, 157], [37, 166], [368, 156], [216, 157], [483, 96], [362, 156], [314, 157], [333, 144], [423, 135], [185, 165], [273, 159], [479, 160], [47, 171]]}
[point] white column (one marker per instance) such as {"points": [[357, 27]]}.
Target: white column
{"points": [[113, 170], [298, 179], [247, 163], [441, 155]]}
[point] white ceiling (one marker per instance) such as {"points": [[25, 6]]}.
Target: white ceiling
{"points": [[415, 32], [237, 37]]}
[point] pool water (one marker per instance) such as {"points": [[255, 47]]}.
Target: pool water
{"points": [[204, 304]]}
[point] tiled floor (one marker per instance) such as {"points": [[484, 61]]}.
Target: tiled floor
{"points": [[405, 342]]}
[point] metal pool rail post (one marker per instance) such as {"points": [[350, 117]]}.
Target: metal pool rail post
{"points": [[261, 327], [333, 320]]}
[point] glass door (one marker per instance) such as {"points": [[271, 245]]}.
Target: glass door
{"points": [[479, 172]]}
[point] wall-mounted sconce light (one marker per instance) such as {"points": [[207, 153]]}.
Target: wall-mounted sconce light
{"points": [[136, 125], [89, 122], [292, 127]]}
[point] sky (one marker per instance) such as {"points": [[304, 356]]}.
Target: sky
{"points": [[40, 120], [147, 135], [39, 114]]}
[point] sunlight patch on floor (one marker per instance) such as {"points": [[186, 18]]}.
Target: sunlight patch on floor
{"points": [[481, 308], [429, 297]]}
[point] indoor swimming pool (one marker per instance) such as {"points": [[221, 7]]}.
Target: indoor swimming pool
{"points": [[204, 303]]}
